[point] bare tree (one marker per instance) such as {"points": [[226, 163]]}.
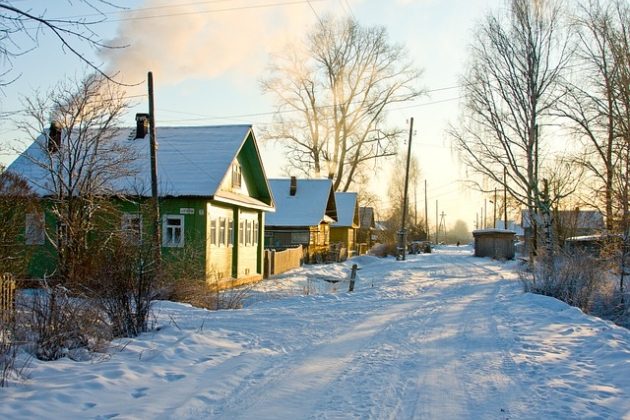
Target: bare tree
{"points": [[332, 95], [510, 88], [594, 99], [22, 25], [78, 160]]}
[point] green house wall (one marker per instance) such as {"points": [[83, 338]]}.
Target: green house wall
{"points": [[219, 263]]}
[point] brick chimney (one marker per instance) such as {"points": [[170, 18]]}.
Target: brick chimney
{"points": [[54, 137], [293, 187], [142, 125]]}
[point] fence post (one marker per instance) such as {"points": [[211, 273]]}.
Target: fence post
{"points": [[353, 276]]}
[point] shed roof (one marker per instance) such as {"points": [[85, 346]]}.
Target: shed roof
{"points": [[313, 203]]}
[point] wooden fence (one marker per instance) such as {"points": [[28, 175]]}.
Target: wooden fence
{"points": [[277, 262], [7, 297]]}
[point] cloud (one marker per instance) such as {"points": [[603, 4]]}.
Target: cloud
{"points": [[202, 39]]}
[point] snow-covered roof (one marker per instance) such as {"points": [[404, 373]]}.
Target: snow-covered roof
{"points": [[512, 225], [311, 204], [346, 209], [366, 218], [492, 230], [578, 219], [192, 161]]}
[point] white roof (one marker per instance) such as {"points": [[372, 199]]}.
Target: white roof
{"points": [[306, 208], [346, 207], [192, 161]]}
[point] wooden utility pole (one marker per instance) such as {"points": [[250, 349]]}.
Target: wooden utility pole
{"points": [[437, 226], [157, 231], [505, 197], [426, 211], [402, 235]]}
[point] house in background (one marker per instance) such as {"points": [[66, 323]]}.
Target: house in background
{"points": [[344, 230], [567, 224], [305, 209], [367, 226], [213, 197]]}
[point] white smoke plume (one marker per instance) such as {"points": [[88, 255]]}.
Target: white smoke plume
{"points": [[184, 39]]}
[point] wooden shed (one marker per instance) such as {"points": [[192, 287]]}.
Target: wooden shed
{"points": [[494, 243]]}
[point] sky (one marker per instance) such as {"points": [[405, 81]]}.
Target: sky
{"points": [[208, 57], [438, 336]]}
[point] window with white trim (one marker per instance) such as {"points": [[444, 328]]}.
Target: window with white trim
{"points": [[256, 233], [131, 226], [173, 231], [34, 233], [241, 232], [222, 231], [236, 175], [230, 223], [213, 232]]}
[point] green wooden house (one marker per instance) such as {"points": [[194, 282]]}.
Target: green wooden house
{"points": [[213, 196]]}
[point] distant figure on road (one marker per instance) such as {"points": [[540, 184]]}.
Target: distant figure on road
{"points": [[457, 243]]}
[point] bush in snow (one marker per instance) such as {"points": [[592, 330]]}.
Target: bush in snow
{"points": [[574, 279], [123, 286], [60, 322]]}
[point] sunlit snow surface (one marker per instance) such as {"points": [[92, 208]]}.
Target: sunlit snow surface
{"points": [[438, 336]]}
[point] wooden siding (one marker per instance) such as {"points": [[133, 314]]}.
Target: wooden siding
{"points": [[218, 252], [343, 235]]}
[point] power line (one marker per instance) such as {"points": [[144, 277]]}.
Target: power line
{"points": [[197, 12]]}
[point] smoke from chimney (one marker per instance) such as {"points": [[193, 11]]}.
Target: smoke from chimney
{"points": [[184, 40]]}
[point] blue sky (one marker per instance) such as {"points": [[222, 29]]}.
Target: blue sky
{"points": [[208, 56]]}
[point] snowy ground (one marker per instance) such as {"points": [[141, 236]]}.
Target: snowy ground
{"points": [[438, 336]]}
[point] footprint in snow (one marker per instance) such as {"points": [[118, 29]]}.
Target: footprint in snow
{"points": [[172, 377], [139, 392]]}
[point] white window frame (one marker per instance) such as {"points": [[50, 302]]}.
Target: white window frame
{"points": [[230, 230], [128, 225], [237, 177], [168, 238], [34, 229], [256, 233], [213, 232], [222, 232]]}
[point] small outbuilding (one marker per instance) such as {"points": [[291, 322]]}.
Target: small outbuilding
{"points": [[494, 243]]}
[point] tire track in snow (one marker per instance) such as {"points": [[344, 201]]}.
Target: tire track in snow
{"points": [[296, 391]]}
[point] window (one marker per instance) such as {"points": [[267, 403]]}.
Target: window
{"points": [[255, 240], [230, 223], [213, 232], [249, 232], [62, 233], [173, 231], [222, 231], [299, 237], [34, 233], [236, 175], [132, 227], [241, 232]]}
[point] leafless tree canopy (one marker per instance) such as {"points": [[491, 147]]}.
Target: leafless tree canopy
{"points": [[21, 26], [596, 98], [511, 85], [332, 94], [81, 161]]}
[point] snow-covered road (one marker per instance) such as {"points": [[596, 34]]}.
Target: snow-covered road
{"points": [[438, 336]]}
